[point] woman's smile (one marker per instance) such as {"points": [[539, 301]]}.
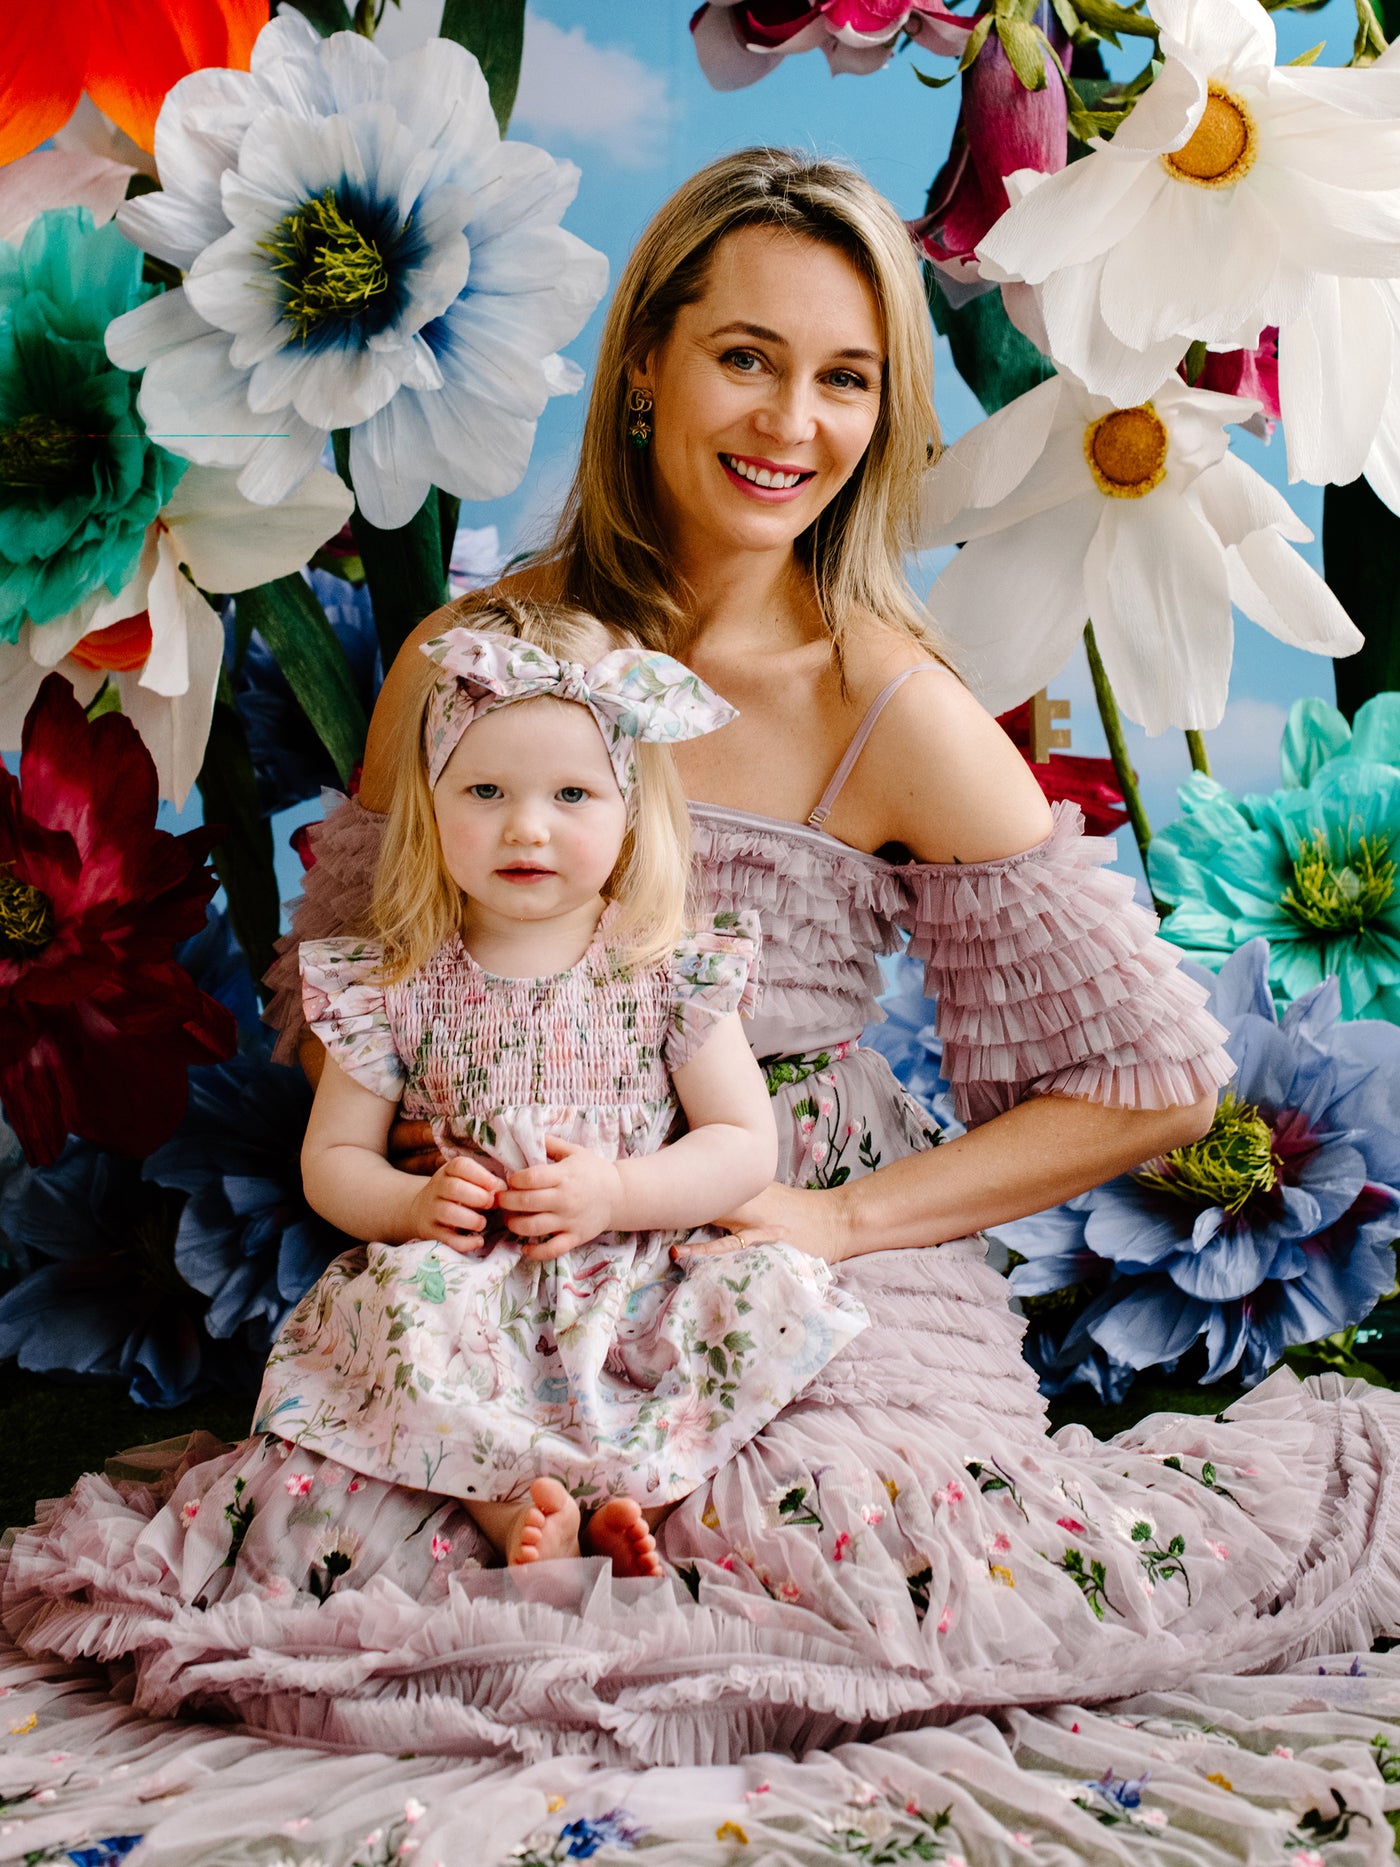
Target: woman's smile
{"points": [[768, 480]]}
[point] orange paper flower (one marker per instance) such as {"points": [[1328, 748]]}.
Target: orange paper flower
{"points": [[126, 54]]}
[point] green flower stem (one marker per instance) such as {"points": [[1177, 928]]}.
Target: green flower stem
{"points": [[1196, 746], [405, 569], [1118, 748]]}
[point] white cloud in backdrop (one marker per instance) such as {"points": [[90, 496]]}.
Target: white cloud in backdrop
{"points": [[598, 94]]}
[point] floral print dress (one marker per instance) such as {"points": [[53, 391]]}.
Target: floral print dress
{"points": [[471, 1374]]}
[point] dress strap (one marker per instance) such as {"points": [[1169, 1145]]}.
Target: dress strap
{"points": [[857, 745]]}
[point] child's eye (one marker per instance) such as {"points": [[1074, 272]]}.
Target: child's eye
{"points": [[484, 791], [572, 794]]}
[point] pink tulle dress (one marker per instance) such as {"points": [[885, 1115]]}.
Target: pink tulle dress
{"points": [[471, 1374], [903, 1544]]}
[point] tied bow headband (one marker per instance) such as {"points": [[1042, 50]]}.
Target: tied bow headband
{"points": [[632, 693]]}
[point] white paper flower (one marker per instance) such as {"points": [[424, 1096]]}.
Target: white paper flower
{"points": [[157, 639], [362, 251], [1229, 191], [1138, 517]]}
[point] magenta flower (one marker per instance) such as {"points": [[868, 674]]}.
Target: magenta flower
{"points": [[1001, 127], [740, 41], [1249, 373]]}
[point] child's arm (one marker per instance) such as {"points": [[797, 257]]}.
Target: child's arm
{"points": [[729, 1155], [349, 1181]]}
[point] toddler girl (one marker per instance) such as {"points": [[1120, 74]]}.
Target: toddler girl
{"points": [[517, 1334]]}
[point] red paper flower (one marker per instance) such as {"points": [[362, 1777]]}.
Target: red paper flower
{"points": [[97, 1022], [126, 54], [1088, 782]]}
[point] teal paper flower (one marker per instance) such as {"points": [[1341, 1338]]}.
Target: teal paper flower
{"points": [[1314, 868], [79, 479]]}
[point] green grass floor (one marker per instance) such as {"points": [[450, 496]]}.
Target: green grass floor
{"points": [[53, 1431]]}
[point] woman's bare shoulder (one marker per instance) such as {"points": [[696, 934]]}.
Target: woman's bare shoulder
{"points": [[402, 691], [939, 776]]}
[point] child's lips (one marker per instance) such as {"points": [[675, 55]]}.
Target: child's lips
{"points": [[524, 873]]}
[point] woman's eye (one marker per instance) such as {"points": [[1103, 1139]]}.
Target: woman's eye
{"points": [[484, 791], [743, 360], [848, 379], [572, 794]]}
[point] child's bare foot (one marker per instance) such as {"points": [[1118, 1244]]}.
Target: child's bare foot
{"points": [[619, 1530], [546, 1528]]}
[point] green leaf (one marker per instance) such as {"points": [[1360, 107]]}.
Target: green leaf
{"points": [[1370, 39], [403, 568], [935, 84], [291, 621], [494, 30], [327, 16], [1107, 19], [243, 861], [1025, 49], [1360, 549], [1310, 56], [976, 39], [1196, 354], [993, 358], [1067, 17]]}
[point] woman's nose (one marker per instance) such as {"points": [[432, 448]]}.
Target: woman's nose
{"points": [[788, 413]]}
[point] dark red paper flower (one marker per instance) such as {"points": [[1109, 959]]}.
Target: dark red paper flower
{"points": [[97, 1022], [1089, 782]]}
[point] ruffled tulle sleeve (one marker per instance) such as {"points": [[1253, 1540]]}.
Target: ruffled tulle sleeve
{"points": [[1050, 979], [712, 976], [346, 1010], [335, 897]]}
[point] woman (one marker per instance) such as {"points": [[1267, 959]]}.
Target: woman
{"points": [[904, 1539]]}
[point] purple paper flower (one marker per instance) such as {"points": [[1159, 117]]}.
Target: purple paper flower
{"points": [[1277, 1228]]}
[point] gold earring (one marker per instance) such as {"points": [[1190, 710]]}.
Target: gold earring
{"points": [[639, 407]]}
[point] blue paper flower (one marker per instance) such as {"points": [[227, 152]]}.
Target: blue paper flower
{"points": [[1275, 1229], [105, 1298], [910, 1044], [614, 1829], [289, 761], [1313, 868], [246, 1238], [218, 965]]}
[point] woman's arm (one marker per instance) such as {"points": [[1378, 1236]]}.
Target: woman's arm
{"points": [[349, 1181], [940, 777], [729, 1153]]}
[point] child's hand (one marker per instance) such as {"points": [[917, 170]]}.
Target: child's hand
{"points": [[450, 1206], [564, 1204]]}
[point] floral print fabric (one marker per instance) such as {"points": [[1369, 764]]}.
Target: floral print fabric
{"points": [[610, 1369]]}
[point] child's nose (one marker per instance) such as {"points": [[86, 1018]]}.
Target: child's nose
{"points": [[526, 824]]}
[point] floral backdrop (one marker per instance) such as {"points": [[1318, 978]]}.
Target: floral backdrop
{"points": [[282, 309]]}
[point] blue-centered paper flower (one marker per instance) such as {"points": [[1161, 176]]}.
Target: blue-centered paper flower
{"points": [[1314, 868], [1277, 1228], [79, 478], [246, 1239], [362, 251]]}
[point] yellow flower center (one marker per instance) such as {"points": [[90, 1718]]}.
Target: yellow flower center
{"points": [[1221, 148], [26, 917], [1127, 451], [39, 451], [1340, 894], [1227, 1167], [329, 267]]}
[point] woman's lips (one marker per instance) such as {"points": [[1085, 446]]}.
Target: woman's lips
{"points": [[770, 495]]}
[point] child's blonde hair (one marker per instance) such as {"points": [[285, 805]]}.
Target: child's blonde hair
{"points": [[416, 906]]}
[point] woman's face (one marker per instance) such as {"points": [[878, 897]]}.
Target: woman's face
{"points": [[766, 394]]}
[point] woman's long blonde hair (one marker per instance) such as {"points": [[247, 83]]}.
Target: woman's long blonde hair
{"points": [[416, 906], [609, 546]]}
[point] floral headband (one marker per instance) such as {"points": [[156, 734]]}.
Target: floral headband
{"points": [[632, 693]]}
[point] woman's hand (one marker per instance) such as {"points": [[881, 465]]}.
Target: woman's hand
{"points": [[810, 1221], [565, 1203], [451, 1207], [413, 1148]]}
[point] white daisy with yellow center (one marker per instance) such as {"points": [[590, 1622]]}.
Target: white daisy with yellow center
{"points": [[1229, 192], [1070, 507]]}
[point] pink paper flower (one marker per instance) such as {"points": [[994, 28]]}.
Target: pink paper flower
{"points": [[740, 41], [1249, 373]]}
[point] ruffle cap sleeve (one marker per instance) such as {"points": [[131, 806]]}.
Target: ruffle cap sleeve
{"points": [[1050, 979], [346, 1010], [712, 976]]}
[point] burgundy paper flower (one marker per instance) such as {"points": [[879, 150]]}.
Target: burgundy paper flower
{"points": [[1088, 782], [1252, 373], [740, 41], [1001, 127], [97, 1021]]}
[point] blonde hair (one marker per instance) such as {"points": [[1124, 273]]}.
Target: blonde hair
{"points": [[416, 906], [609, 544]]}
